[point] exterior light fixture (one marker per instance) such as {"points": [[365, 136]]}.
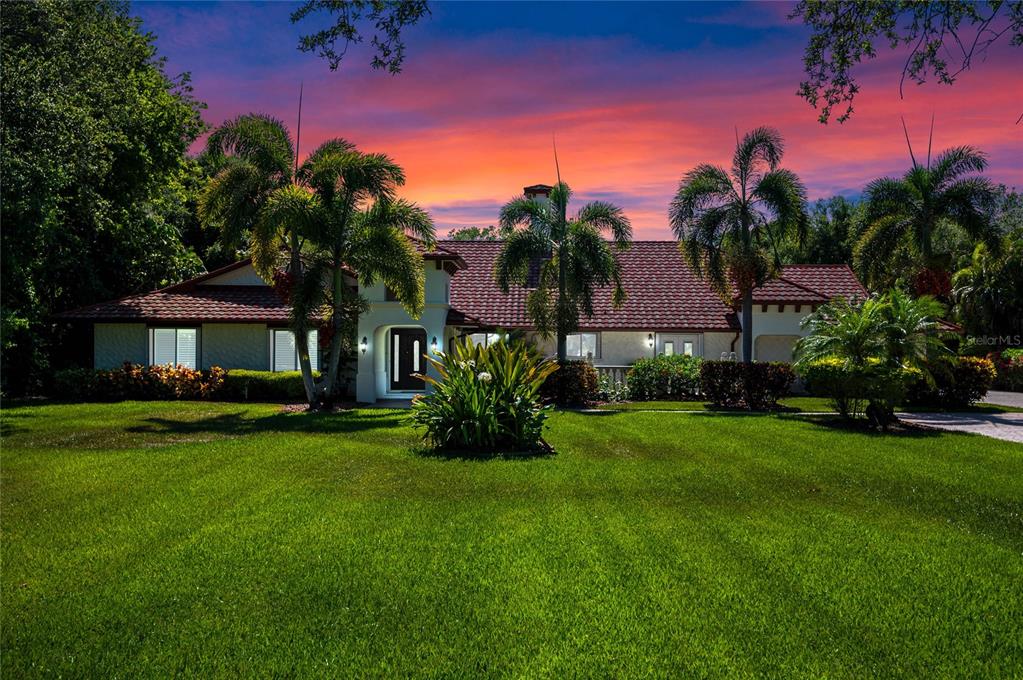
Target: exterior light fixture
{"points": [[364, 345], [650, 340], [433, 345]]}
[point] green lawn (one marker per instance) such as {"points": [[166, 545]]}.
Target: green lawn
{"points": [[157, 539], [789, 405]]}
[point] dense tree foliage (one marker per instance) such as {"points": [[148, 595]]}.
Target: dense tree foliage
{"points": [[383, 19], [93, 175], [732, 225], [988, 292], [832, 231], [490, 233], [943, 40]]}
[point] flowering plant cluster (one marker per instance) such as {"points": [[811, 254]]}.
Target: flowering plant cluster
{"points": [[484, 399], [133, 381]]}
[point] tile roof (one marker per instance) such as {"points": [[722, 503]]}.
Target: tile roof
{"points": [[663, 294], [195, 304]]}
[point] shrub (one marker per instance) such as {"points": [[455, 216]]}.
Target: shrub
{"points": [[957, 381], [574, 384], [758, 385], [485, 399], [665, 377], [245, 385], [872, 388], [133, 381], [611, 389], [1009, 369]]}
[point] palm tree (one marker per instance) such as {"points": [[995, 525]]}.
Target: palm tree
{"points": [[731, 225], [904, 217], [357, 223], [251, 195], [335, 211], [574, 255]]}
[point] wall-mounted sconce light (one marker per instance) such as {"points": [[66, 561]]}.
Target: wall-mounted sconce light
{"points": [[364, 345], [650, 340], [433, 345]]}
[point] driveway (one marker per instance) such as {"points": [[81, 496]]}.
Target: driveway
{"points": [[1007, 426], [1004, 398]]}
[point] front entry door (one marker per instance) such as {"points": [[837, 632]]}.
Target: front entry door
{"points": [[407, 348]]}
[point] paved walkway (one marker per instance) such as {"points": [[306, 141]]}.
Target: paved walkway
{"points": [[1007, 426], [1004, 398]]}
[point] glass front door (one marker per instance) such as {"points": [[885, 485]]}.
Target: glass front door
{"points": [[407, 348]]}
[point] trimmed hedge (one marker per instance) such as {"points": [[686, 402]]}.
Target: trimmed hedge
{"points": [[245, 385], [874, 389], [133, 381], [958, 381], [575, 383], [758, 385], [664, 377]]}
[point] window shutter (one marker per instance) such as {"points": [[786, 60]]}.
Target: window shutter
{"points": [[187, 343], [163, 346], [284, 351], [314, 350]]}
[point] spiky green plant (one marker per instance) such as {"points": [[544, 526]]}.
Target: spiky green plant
{"points": [[573, 256], [732, 225], [484, 399]]}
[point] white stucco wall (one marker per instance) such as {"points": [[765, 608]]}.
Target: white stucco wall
{"points": [[115, 343], [373, 379], [243, 276], [235, 345]]}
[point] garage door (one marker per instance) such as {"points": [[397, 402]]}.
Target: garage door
{"points": [[774, 347]]}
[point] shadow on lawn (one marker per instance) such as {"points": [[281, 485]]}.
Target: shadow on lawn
{"points": [[238, 424], [546, 451]]}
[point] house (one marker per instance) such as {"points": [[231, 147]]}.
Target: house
{"points": [[232, 318]]}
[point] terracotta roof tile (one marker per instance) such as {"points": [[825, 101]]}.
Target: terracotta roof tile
{"points": [[200, 303]]}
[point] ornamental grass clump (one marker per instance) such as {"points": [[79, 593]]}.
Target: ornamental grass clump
{"points": [[484, 399]]}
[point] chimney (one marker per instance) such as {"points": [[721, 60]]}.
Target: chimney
{"points": [[538, 192]]}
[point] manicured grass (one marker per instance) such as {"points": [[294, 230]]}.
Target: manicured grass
{"points": [[157, 539], [789, 405]]}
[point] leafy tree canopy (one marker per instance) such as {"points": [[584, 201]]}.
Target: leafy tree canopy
{"points": [[93, 174], [943, 38], [383, 19], [490, 233]]}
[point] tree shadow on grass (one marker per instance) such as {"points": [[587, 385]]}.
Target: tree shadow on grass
{"points": [[425, 451], [238, 424]]}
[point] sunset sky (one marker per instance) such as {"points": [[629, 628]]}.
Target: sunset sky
{"points": [[636, 95]]}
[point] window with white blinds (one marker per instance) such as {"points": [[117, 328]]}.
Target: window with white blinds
{"points": [[174, 346], [285, 354]]}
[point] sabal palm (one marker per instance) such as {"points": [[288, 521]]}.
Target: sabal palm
{"points": [[731, 225], [574, 257], [904, 215]]}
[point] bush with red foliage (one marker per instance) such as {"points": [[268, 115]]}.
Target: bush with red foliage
{"points": [[754, 386]]}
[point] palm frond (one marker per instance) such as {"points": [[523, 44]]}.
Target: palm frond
{"points": [[521, 249], [388, 255], [262, 140], [876, 246], [604, 216], [288, 210], [763, 145], [402, 215], [956, 162], [702, 188], [784, 194]]}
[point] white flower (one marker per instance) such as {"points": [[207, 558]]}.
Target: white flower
{"points": [[461, 365], [485, 377], [472, 363]]}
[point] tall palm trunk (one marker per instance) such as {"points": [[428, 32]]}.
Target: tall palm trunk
{"points": [[562, 285], [747, 327], [336, 340], [299, 329]]}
